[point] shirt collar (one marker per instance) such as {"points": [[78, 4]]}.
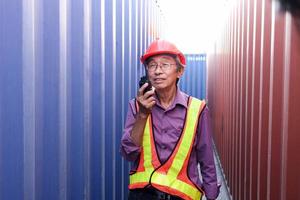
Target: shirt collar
{"points": [[180, 99]]}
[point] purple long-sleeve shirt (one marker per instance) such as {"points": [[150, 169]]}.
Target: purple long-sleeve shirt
{"points": [[167, 127]]}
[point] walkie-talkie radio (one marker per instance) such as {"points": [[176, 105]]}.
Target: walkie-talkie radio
{"points": [[143, 80]]}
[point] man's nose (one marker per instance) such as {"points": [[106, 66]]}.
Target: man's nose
{"points": [[158, 69]]}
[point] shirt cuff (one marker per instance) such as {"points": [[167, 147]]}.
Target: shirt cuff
{"points": [[211, 192]]}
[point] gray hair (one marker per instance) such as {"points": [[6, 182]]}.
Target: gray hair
{"points": [[179, 65]]}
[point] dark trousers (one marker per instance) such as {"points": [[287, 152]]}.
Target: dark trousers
{"points": [[150, 194]]}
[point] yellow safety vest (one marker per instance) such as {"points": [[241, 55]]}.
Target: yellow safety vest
{"points": [[171, 177]]}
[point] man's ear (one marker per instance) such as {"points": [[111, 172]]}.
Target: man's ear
{"points": [[180, 72]]}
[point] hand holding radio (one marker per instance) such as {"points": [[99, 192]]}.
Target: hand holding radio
{"points": [[144, 80], [145, 97]]}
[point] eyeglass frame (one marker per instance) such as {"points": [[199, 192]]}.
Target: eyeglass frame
{"points": [[161, 65]]}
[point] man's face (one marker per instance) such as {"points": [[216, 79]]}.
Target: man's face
{"points": [[162, 71]]}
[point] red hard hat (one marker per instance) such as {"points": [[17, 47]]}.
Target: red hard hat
{"points": [[163, 47]]}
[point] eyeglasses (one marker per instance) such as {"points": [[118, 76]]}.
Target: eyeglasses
{"points": [[163, 66]]}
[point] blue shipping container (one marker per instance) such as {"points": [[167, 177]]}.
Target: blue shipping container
{"points": [[67, 72]]}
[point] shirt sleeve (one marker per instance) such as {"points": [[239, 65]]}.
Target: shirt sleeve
{"points": [[128, 149], [205, 156]]}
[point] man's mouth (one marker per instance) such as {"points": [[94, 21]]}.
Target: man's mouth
{"points": [[159, 79]]}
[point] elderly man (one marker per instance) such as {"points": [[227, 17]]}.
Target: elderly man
{"points": [[167, 133]]}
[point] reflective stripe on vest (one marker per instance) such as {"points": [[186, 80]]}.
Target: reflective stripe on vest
{"points": [[171, 177], [148, 159]]}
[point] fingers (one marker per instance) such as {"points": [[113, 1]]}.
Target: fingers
{"points": [[141, 90], [146, 108], [149, 93], [149, 103], [146, 101]]}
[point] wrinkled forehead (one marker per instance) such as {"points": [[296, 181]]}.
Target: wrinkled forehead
{"points": [[161, 57]]}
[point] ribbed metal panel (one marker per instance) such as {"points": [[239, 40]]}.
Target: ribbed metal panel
{"points": [[193, 81], [253, 90], [67, 72]]}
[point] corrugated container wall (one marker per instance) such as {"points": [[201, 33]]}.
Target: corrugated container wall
{"points": [[67, 71], [253, 93], [193, 81]]}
